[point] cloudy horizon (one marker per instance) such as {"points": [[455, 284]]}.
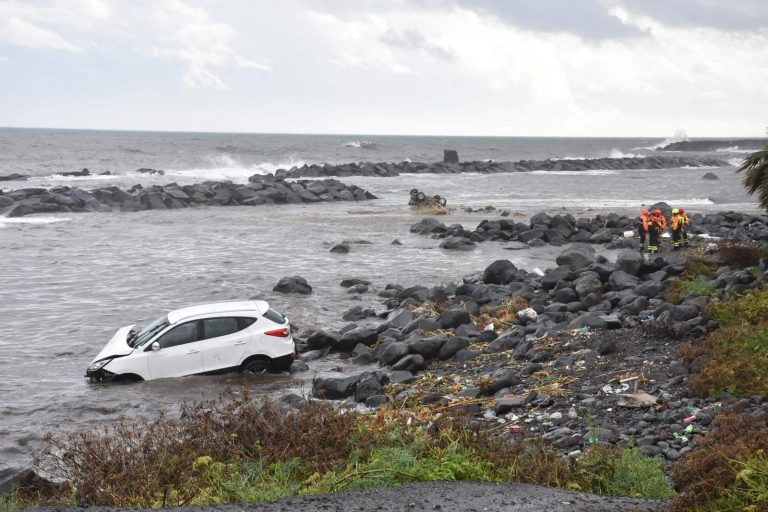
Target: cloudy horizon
{"points": [[419, 67]]}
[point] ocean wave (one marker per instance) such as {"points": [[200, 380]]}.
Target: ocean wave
{"points": [[590, 172], [613, 153], [61, 177], [679, 136], [232, 170], [736, 162], [7, 221], [734, 149], [361, 144]]}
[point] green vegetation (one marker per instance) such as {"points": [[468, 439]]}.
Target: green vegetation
{"points": [[735, 357], [689, 286], [237, 450], [740, 253], [728, 471], [624, 473], [748, 309], [756, 178]]}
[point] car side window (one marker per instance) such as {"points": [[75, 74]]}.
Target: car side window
{"points": [[180, 335], [215, 327]]}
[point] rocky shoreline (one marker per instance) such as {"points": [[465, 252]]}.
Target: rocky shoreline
{"points": [[264, 191], [609, 229], [386, 170], [586, 353]]}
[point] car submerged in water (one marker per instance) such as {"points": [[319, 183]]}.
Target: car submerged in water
{"points": [[209, 338]]}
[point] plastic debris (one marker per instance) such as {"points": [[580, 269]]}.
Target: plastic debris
{"points": [[489, 327], [584, 330], [538, 271], [609, 390], [690, 419], [689, 429], [680, 437], [528, 314], [516, 429]]}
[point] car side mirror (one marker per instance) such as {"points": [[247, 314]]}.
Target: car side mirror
{"points": [[155, 346]]}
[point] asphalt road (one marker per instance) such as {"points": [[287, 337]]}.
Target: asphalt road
{"points": [[448, 497]]}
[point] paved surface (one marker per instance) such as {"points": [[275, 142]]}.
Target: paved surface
{"points": [[450, 497]]}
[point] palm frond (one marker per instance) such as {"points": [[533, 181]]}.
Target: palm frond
{"points": [[756, 178]]}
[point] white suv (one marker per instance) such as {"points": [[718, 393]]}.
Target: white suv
{"points": [[245, 336]]}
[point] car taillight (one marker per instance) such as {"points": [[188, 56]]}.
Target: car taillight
{"points": [[280, 333]]}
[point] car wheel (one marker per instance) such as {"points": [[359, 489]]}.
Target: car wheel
{"points": [[257, 366]]}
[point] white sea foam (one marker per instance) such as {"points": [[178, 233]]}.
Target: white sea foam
{"points": [[590, 172], [734, 149], [736, 162], [231, 170], [8, 221], [361, 144]]}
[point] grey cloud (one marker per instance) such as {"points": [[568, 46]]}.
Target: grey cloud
{"points": [[729, 15], [415, 40], [589, 19]]}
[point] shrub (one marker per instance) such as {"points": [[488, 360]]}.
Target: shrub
{"points": [[728, 468], [689, 286], [622, 472], [735, 361], [749, 308], [665, 330], [740, 253], [236, 450]]}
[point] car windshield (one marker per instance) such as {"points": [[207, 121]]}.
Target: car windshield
{"points": [[148, 332]]}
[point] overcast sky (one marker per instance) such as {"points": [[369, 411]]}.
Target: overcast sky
{"points": [[450, 67]]}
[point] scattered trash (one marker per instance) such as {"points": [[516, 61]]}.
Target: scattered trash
{"points": [[690, 419], [609, 390], [538, 271], [629, 234], [689, 429], [572, 414], [489, 327], [516, 429], [680, 437], [637, 400], [584, 330], [527, 315]]}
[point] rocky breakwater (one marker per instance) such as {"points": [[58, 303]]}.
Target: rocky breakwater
{"points": [[585, 354], [263, 190], [714, 145], [544, 229], [489, 167]]}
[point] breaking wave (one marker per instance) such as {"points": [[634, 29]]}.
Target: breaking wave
{"points": [[734, 149], [361, 144], [8, 221], [590, 172], [227, 168]]}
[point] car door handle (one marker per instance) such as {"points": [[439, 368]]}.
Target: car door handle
{"points": [[241, 343], [193, 352]]}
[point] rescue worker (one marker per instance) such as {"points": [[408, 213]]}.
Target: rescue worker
{"points": [[656, 225], [677, 224], [686, 223], [642, 228]]}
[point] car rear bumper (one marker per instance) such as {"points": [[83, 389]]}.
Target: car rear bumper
{"points": [[282, 363]]}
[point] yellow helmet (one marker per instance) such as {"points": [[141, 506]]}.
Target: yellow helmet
{"points": [[675, 210]]}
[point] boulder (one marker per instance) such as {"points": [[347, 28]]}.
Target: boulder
{"points": [[393, 353], [500, 272], [457, 244], [621, 280], [294, 284], [710, 176], [323, 339], [368, 385], [411, 363], [630, 262], [334, 388], [452, 346], [453, 318], [365, 335], [577, 256], [501, 379], [342, 248]]}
